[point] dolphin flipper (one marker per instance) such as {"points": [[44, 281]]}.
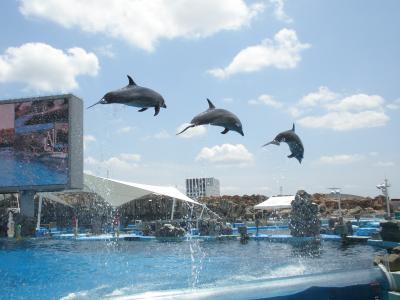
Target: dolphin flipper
{"points": [[190, 126], [142, 109], [225, 131], [290, 156], [156, 110]]}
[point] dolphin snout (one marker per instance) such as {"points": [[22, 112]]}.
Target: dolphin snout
{"points": [[164, 106], [274, 142]]}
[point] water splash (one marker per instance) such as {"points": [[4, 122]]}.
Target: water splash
{"points": [[197, 256]]}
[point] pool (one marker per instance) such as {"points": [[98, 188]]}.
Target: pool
{"points": [[54, 269], [19, 169]]}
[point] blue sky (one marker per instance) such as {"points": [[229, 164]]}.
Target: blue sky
{"points": [[332, 67]]}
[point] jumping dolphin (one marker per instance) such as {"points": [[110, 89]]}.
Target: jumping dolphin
{"points": [[134, 95], [217, 117], [292, 139]]}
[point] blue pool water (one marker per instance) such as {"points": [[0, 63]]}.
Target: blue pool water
{"points": [[19, 170], [54, 269]]}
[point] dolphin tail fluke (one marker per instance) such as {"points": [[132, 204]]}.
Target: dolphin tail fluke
{"points": [[190, 126], [99, 102], [225, 131], [156, 110]]}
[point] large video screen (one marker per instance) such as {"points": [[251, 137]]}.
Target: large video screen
{"points": [[34, 143]]}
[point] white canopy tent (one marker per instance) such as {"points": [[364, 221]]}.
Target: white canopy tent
{"points": [[275, 202], [53, 197], [118, 192]]}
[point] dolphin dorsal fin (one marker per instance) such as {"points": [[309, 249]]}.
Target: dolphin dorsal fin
{"points": [[210, 104], [131, 82], [293, 127]]}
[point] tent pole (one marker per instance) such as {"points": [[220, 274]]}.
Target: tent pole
{"points": [[39, 214], [173, 208], [201, 215]]}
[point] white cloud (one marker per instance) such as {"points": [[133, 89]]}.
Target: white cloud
{"points": [[340, 159], [279, 11], [130, 157], [384, 164], [144, 23], [295, 112], [123, 162], [342, 121], [327, 109], [88, 139], [106, 50], [44, 68], [267, 100], [283, 52], [226, 154], [163, 134], [323, 95], [228, 100], [191, 132], [127, 129], [90, 160], [358, 102], [394, 105]]}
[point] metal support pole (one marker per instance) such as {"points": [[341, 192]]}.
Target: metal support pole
{"points": [[386, 193], [173, 208], [337, 192], [39, 214], [201, 215], [26, 204], [384, 188]]}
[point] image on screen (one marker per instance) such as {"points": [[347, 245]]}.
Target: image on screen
{"points": [[34, 143]]}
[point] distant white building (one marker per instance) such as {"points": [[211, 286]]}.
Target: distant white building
{"points": [[202, 187]]}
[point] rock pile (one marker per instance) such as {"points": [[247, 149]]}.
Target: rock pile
{"points": [[213, 227], [233, 208], [168, 230], [351, 205], [391, 261], [390, 231], [304, 219]]}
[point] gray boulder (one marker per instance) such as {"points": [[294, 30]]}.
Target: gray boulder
{"points": [[304, 219], [168, 230]]}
